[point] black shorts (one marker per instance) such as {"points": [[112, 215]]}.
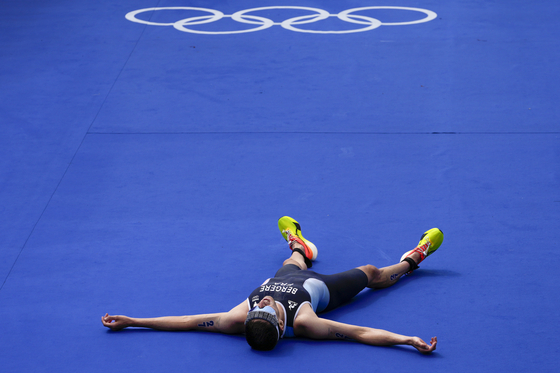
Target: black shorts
{"points": [[342, 286]]}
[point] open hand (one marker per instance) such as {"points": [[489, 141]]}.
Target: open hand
{"points": [[422, 346]]}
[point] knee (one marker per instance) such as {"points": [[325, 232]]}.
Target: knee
{"points": [[372, 272], [301, 264]]}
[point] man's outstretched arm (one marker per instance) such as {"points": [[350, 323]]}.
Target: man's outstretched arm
{"points": [[231, 322], [311, 326]]}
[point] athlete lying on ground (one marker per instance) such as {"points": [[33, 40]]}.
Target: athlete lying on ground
{"points": [[287, 305]]}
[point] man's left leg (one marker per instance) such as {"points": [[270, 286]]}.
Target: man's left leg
{"points": [[291, 231], [296, 258], [295, 262], [303, 251]]}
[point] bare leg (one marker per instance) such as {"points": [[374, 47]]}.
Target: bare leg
{"points": [[296, 257], [379, 278]]}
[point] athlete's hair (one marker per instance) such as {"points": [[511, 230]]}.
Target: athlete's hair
{"points": [[261, 334]]}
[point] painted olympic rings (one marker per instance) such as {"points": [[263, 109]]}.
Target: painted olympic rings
{"points": [[262, 23]]}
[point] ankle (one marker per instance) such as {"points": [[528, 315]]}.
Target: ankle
{"points": [[412, 265], [296, 245], [416, 257]]}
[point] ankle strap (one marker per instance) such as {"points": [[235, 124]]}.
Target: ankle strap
{"points": [[308, 262], [411, 263]]}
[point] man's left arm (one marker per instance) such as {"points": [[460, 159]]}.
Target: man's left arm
{"points": [[310, 325], [231, 322]]}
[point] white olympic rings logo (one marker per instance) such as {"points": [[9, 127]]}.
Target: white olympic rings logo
{"points": [[289, 24]]}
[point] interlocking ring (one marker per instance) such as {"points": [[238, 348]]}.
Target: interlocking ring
{"points": [[289, 24]]}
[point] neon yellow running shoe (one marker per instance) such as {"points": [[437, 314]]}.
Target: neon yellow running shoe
{"points": [[291, 231], [429, 242]]}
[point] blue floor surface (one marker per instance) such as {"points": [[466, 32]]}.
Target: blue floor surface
{"points": [[144, 169]]}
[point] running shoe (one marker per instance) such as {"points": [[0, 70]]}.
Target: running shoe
{"points": [[291, 231], [429, 242]]}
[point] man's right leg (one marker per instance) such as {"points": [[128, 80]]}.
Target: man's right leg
{"points": [[345, 285], [379, 278]]}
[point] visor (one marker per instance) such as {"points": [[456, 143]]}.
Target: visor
{"points": [[266, 313]]}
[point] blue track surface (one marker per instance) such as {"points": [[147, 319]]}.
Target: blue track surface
{"points": [[143, 170]]}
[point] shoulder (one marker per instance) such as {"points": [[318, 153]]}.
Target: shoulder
{"points": [[233, 322], [304, 319]]}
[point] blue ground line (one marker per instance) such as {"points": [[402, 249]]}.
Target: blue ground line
{"points": [[323, 133]]}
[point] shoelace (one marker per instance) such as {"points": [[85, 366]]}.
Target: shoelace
{"points": [[423, 250], [291, 238]]}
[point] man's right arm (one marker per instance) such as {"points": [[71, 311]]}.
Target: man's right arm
{"points": [[231, 322], [308, 324]]}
